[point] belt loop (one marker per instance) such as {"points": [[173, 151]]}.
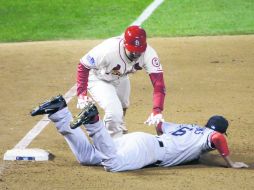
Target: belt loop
{"points": [[160, 142]]}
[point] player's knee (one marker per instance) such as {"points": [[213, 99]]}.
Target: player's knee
{"points": [[110, 166], [114, 115], [89, 159], [125, 104]]}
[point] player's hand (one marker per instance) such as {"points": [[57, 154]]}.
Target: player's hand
{"points": [[239, 165], [82, 101], [154, 119]]}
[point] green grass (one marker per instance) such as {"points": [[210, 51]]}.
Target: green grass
{"points": [[202, 17], [28, 20]]}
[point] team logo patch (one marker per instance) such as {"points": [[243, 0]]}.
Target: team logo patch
{"points": [[156, 62], [90, 60]]}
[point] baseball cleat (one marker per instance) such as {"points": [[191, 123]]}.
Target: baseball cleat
{"points": [[125, 131], [124, 128], [50, 106], [88, 115]]}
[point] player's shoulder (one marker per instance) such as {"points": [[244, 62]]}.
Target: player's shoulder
{"points": [[110, 45], [112, 42], [151, 56], [216, 135], [150, 49]]}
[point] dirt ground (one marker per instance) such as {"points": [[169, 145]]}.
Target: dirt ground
{"points": [[204, 76]]}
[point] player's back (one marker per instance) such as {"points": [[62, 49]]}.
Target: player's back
{"points": [[184, 142], [107, 46]]}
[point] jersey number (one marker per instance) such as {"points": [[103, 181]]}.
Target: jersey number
{"points": [[183, 130]]}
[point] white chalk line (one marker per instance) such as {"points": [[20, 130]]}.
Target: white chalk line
{"points": [[36, 130], [147, 12]]}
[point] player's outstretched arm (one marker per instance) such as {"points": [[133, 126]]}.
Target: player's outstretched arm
{"points": [[82, 81], [220, 143], [232, 164], [158, 99]]}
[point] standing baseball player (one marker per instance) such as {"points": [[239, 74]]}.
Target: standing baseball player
{"points": [[177, 143], [103, 72]]}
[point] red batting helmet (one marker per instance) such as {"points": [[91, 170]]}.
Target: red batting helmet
{"points": [[135, 39]]}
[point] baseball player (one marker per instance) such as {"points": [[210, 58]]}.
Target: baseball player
{"points": [[103, 72], [176, 144]]}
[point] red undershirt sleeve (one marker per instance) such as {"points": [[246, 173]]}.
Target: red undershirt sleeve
{"points": [[159, 128], [220, 143], [82, 79], [159, 91]]}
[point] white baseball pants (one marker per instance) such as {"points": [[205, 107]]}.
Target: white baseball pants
{"points": [[112, 97]]}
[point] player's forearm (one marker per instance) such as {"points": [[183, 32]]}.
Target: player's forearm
{"points": [[232, 164], [82, 79], [159, 91], [228, 161], [220, 143]]}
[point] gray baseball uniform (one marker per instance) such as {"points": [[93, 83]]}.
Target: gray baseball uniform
{"points": [[180, 143]]}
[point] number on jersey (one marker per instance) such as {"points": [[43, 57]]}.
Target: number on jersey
{"points": [[183, 130]]}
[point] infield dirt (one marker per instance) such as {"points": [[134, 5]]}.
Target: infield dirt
{"points": [[204, 76]]}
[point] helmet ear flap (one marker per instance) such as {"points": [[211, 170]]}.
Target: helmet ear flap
{"points": [[217, 123], [135, 39]]}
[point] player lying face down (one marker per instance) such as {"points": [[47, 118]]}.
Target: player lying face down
{"points": [[176, 144]]}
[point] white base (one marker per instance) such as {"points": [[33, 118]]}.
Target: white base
{"points": [[34, 154]]}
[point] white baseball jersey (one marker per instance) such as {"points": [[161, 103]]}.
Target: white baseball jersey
{"points": [[109, 68], [184, 142], [108, 60]]}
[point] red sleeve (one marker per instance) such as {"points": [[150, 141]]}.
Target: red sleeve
{"points": [[82, 79], [159, 91], [159, 128], [220, 143]]}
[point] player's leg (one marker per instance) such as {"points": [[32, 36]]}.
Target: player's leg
{"points": [[102, 141], [58, 112], [77, 140], [129, 152], [123, 90], [105, 95], [113, 161]]}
